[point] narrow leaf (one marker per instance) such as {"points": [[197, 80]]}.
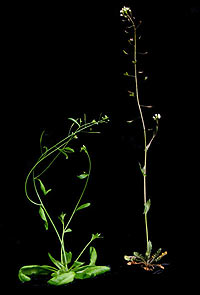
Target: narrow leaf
{"points": [[43, 216], [142, 169], [124, 51], [64, 153], [83, 175], [68, 257], [62, 279], [69, 230], [147, 206], [69, 150], [76, 265], [149, 249], [57, 263], [83, 206], [139, 256], [93, 256], [43, 189]]}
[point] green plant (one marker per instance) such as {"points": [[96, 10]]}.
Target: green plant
{"points": [[66, 269], [147, 261]]}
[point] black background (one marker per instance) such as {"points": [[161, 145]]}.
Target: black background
{"points": [[63, 60]]}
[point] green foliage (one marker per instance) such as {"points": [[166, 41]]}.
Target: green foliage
{"points": [[62, 275], [26, 271], [65, 269]]}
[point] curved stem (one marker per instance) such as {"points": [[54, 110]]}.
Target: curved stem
{"points": [[52, 150], [46, 212]]}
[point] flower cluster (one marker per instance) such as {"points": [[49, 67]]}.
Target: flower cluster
{"points": [[125, 11], [157, 117]]}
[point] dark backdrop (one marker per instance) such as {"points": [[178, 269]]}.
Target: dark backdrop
{"points": [[63, 61]]}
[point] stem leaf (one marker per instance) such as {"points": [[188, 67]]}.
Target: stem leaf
{"points": [[69, 230], [147, 206], [83, 175], [43, 216], [149, 249], [68, 256], [43, 189], [83, 206]]}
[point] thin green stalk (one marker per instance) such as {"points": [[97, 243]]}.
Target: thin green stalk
{"points": [[143, 125], [83, 250], [85, 186], [50, 219]]}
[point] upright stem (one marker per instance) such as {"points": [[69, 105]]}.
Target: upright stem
{"points": [[85, 186], [144, 128]]}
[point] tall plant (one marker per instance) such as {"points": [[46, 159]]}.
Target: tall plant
{"points": [[147, 261], [66, 269]]}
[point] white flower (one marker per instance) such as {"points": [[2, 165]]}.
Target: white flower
{"points": [[124, 11], [157, 117]]}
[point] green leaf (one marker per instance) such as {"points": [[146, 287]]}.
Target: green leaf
{"points": [[43, 216], [91, 271], [41, 138], [68, 256], [26, 271], [62, 279], [139, 256], [155, 256], [124, 51], [43, 189], [83, 206], [83, 175], [142, 169], [57, 263], [66, 150], [93, 256], [69, 150], [147, 206], [64, 153], [149, 249], [69, 230]]}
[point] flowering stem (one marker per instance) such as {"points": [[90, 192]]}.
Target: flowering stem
{"points": [[144, 128]]}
